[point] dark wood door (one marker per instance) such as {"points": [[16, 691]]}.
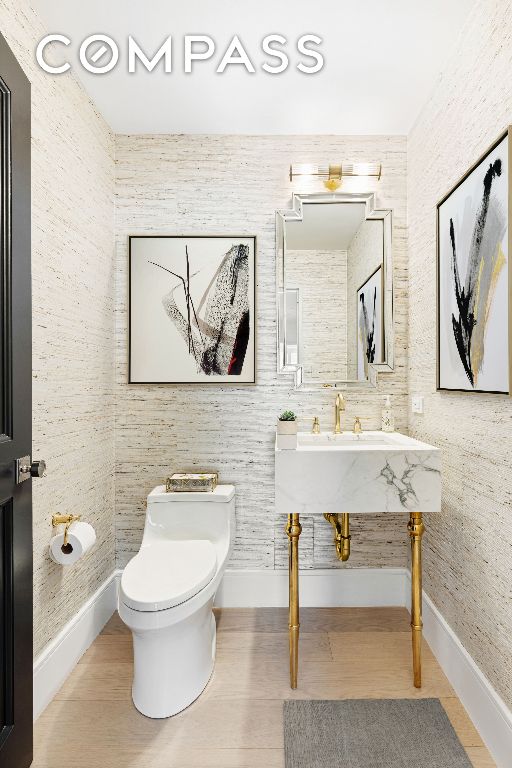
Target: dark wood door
{"points": [[15, 418]]}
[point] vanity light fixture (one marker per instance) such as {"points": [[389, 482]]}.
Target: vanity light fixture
{"points": [[333, 174]]}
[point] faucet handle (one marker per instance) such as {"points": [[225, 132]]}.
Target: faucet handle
{"points": [[357, 426], [316, 426]]}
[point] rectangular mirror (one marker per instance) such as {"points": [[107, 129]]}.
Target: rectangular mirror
{"points": [[334, 289]]}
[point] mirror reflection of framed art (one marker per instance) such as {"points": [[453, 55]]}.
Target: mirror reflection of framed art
{"points": [[370, 325]]}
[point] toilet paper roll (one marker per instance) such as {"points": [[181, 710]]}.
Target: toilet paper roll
{"points": [[81, 537]]}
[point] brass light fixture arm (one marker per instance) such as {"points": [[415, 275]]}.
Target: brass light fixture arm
{"points": [[341, 534], [416, 530], [293, 530]]}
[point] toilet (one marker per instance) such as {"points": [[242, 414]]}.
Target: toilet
{"points": [[167, 592]]}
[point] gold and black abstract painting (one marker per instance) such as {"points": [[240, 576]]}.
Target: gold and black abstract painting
{"points": [[473, 278]]}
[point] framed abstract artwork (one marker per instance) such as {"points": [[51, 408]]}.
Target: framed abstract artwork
{"points": [[192, 309], [473, 278], [370, 323]]}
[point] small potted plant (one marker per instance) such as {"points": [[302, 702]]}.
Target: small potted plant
{"points": [[287, 431]]}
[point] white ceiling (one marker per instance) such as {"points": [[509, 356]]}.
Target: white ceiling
{"points": [[324, 227], [382, 58]]}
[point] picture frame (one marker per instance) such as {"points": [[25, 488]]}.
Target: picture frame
{"points": [[370, 323], [192, 309], [473, 278]]}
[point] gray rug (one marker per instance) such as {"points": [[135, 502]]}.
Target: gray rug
{"points": [[370, 733]]}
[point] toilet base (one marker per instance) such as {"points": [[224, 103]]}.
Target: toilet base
{"points": [[172, 665]]}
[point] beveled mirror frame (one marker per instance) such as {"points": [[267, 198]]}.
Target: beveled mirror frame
{"points": [[295, 213]]}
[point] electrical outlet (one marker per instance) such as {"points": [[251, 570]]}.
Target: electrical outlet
{"points": [[417, 403]]}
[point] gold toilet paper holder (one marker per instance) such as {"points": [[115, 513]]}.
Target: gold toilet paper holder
{"points": [[64, 520]]}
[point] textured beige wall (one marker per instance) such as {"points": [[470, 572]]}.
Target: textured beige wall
{"points": [[321, 277], [468, 557], [73, 342], [219, 184]]}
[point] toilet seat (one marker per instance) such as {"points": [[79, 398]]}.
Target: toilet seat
{"points": [[167, 573]]}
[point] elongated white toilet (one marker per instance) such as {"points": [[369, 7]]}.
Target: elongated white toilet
{"points": [[166, 596]]}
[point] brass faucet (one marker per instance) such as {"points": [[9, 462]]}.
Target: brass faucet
{"points": [[338, 408], [316, 426]]}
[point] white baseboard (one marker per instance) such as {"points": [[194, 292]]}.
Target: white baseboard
{"points": [[329, 588], [489, 713], [58, 659]]}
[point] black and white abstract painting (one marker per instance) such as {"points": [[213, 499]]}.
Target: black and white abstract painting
{"points": [[192, 309], [370, 348], [473, 278]]}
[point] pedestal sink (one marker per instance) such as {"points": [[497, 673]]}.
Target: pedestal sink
{"points": [[365, 473], [341, 474]]}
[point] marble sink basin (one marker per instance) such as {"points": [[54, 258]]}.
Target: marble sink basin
{"points": [[347, 440], [367, 473]]}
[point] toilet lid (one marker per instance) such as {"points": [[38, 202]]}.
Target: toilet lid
{"points": [[166, 574]]}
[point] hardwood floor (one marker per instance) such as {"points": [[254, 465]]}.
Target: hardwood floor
{"points": [[237, 722]]}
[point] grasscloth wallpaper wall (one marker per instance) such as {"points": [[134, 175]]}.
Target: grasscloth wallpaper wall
{"points": [[468, 557], [234, 184], [73, 340]]}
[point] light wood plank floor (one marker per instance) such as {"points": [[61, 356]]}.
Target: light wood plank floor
{"points": [[237, 722]]}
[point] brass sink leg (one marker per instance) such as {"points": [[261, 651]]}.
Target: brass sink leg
{"points": [[416, 530], [293, 531]]}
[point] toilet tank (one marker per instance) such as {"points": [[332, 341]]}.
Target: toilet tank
{"points": [[190, 515]]}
